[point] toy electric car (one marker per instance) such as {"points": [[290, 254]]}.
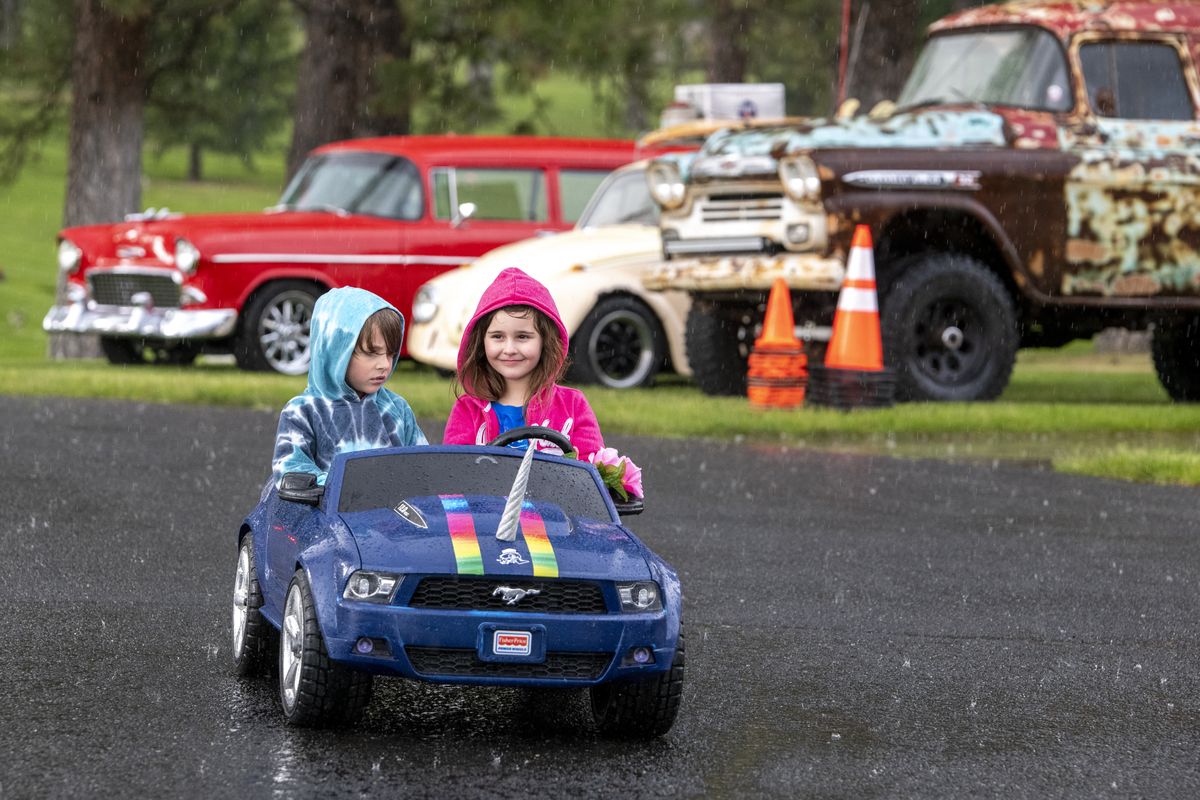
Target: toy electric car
{"points": [[394, 567]]}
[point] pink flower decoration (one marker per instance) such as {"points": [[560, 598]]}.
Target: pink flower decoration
{"points": [[633, 478], [619, 474], [605, 455]]}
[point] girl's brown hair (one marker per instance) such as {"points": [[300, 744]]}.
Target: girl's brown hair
{"points": [[477, 377], [390, 327]]}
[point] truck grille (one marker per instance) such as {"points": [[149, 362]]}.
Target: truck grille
{"points": [[477, 594], [435, 661], [118, 288], [741, 207]]}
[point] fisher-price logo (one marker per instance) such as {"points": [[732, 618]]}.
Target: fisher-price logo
{"points": [[511, 643]]}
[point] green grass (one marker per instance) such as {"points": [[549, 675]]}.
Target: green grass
{"points": [[1075, 409]]}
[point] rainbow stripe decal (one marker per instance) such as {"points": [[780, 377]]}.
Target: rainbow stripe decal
{"points": [[533, 528], [462, 534]]}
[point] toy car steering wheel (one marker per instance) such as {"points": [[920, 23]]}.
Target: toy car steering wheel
{"points": [[532, 432]]}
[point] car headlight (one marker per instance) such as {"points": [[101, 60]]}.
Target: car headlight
{"points": [[186, 256], [799, 177], [371, 587], [640, 596], [666, 184], [425, 304], [69, 255]]}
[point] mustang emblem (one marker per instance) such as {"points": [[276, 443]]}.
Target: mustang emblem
{"points": [[513, 595], [509, 555]]}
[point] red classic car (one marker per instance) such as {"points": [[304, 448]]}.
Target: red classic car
{"points": [[386, 214]]}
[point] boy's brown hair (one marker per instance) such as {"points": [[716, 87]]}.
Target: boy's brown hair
{"points": [[390, 327], [479, 378]]}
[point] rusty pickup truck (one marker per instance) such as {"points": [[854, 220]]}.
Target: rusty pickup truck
{"points": [[1037, 180]]}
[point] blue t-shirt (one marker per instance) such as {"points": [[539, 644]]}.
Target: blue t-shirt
{"points": [[511, 417]]}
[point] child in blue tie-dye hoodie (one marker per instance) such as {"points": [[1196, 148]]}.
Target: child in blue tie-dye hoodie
{"points": [[354, 340]]}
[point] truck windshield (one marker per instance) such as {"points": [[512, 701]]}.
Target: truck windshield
{"points": [[376, 184], [1024, 68], [624, 197]]}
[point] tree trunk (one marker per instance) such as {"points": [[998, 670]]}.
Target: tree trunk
{"points": [[104, 157], [344, 41], [727, 57], [10, 23], [195, 162], [887, 50]]}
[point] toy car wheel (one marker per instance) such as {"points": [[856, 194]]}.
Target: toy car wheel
{"points": [[640, 709], [619, 345], [718, 338], [314, 690], [254, 640], [1173, 348], [274, 327], [949, 329]]}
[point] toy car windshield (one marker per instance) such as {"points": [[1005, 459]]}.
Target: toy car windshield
{"points": [[384, 481]]}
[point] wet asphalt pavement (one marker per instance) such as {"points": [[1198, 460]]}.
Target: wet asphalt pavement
{"points": [[857, 627]]}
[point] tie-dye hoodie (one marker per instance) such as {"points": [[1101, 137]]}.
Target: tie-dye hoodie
{"points": [[474, 421], [330, 417]]}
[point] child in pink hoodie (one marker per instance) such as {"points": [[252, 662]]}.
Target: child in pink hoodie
{"points": [[512, 355]]}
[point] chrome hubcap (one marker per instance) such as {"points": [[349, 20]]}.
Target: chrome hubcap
{"points": [[291, 648], [241, 593], [952, 337], [283, 332], [620, 349]]}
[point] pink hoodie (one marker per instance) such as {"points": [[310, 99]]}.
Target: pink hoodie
{"points": [[472, 420]]}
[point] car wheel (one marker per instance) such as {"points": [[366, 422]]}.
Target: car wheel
{"points": [[718, 338], [949, 329], [254, 640], [273, 331], [125, 351], [1176, 360], [619, 345], [314, 690], [640, 708]]}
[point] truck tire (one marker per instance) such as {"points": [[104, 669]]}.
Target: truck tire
{"points": [[273, 329], [620, 344], [1173, 347], [949, 329], [718, 337]]}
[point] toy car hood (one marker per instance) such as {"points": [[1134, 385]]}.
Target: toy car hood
{"points": [[455, 534]]}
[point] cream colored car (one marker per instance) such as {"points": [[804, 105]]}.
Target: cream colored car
{"points": [[621, 334]]}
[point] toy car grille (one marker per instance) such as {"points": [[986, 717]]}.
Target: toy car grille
{"points": [[480, 594], [741, 207], [118, 288], [434, 661]]}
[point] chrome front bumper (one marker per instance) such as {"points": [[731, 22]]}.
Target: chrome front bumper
{"points": [[152, 323], [803, 272]]}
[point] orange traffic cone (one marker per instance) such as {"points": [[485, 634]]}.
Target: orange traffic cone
{"points": [[778, 372], [854, 374]]}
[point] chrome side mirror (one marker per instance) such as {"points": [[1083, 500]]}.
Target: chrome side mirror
{"points": [[464, 213]]}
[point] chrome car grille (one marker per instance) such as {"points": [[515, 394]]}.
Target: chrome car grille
{"points": [[741, 207], [435, 661], [478, 594], [118, 288]]}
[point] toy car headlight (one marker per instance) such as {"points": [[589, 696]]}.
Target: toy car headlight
{"points": [[69, 255], [186, 256], [640, 596], [371, 587], [799, 177], [666, 184], [425, 304]]}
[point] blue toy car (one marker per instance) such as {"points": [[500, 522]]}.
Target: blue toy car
{"points": [[394, 568]]}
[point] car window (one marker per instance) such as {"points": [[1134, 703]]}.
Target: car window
{"points": [[623, 198], [575, 188], [514, 195], [361, 183], [1135, 80], [383, 481], [1025, 68]]}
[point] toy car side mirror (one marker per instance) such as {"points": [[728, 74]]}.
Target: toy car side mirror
{"points": [[301, 487], [630, 507]]}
